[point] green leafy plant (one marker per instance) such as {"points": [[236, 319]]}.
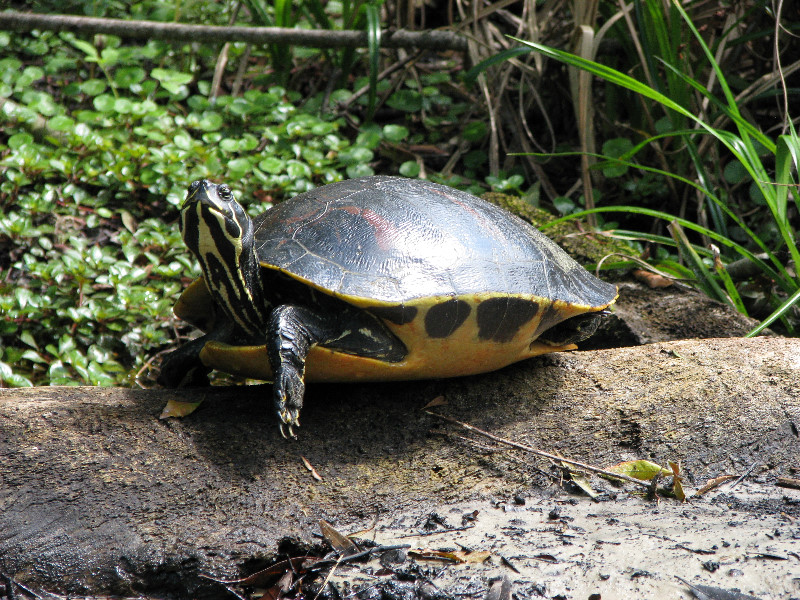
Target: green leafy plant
{"points": [[93, 173]]}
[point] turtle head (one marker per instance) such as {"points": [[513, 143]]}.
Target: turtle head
{"points": [[219, 233], [214, 206]]}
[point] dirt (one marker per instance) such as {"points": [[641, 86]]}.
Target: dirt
{"points": [[553, 544]]}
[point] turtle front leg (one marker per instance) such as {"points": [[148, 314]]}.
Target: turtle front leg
{"points": [[291, 332]]}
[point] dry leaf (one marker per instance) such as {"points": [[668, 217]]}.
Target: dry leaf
{"points": [[473, 557], [677, 485], [583, 483], [460, 556], [546, 558], [579, 479], [639, 469], [438, 401], [433, 555], [788, 482], [341, 543], [311, 469], [713, 483], [651, 280], [176, 408]]}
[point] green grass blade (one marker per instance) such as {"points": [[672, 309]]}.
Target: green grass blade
{"points": [[618, 78], [702, 273], [781, 274], [779, 312], [714, 205], [730, 287], [470, 76], [709, 56], [732, 142], [316, 10], [374, 48], [260, 14], [787, 160], [654, 238], [781, 277], [734, 115], [742, 149], [283, 13]]}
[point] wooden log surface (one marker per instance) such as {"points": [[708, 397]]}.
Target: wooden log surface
{"points": [[99, 495]]}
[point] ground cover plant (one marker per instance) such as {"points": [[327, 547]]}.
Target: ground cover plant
{"points": [[101, 136], [100, 140]]}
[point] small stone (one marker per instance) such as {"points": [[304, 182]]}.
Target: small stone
{"points": [[711, 566], [735, 572]]}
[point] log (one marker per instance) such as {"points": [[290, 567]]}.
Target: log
{"points": [[97, 495]]}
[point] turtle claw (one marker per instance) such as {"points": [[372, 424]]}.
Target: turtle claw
{"points": [[284, 427], [290, 418]]}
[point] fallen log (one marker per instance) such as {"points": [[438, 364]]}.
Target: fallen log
{"points": [[98, 495]]}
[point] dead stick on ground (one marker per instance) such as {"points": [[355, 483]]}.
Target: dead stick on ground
{"points": [[744, 475], [532, 450], [789, 482], [179, 32]]}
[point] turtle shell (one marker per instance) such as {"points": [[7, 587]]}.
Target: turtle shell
{"points": [[466, 286], [389, 240]]}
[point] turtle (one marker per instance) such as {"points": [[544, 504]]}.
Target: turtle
{"points": [[377, 278]]}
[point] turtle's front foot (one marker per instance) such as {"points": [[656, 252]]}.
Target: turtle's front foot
{"points": [[291, 331], [287, 431], [288, 390]]}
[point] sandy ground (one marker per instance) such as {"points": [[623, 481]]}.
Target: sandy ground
{"points": [[745, 539]]}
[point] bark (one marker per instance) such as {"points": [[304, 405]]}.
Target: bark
{"points": [[99, 495], [178, 32]]}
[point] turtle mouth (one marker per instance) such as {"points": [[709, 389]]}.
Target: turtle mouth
{"points": [[204, 194]]}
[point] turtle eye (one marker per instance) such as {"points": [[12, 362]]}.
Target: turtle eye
{"points": [[224, 192]]}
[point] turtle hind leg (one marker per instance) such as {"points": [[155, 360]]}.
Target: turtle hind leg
{"points": [[183, 367], [575, 329], [291, 332]]}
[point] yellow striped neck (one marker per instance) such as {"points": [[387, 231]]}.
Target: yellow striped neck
{"points": [[223, 245]]}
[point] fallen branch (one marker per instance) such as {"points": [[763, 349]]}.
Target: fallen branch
{"points": [[179, 32], [532, 450]]}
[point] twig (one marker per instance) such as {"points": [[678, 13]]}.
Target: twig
{"points": [[222, 59], [426, 533], [351, 557], [179, 32], [9, 586], [10, 583], [788, 482], [745, 474], [532, 450], [381, 76]]}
